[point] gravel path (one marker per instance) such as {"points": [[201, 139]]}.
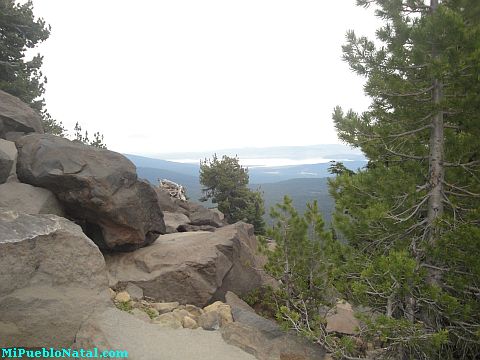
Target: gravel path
{"points": [[145, 341]]}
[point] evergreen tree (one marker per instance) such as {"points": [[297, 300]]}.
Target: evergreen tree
{"points": [[20, 77], [412, 215], [23, 78], [225, 182]]}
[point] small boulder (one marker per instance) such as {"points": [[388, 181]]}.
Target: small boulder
{"points": [[16, 116], [29, 199], [163, 308], [8, 161], [112, 293], [204, 216], [209, 321], [189, 323], [174, 220], [341, 319], [122, 296], [168, 320], [135, 292], [194, 311], [180, 314], [224, 311]]}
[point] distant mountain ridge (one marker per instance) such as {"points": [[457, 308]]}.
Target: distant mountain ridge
{"points": [[258, 175], [325, 151], [302, 183]]}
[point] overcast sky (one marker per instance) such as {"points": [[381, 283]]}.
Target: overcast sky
{"points": [[188, 75]]}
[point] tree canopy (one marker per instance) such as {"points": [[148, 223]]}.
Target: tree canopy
{"points": [[21, 31], [18, 76], [408, 221], [413, 213], [225, 182]]}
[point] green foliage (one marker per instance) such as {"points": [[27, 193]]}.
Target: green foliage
{"points": [[97, 137], [152, 314], [225, 182], [124, 305], [412, 261], [18, 76], [415, 265], [337, 168], [306, 261]]}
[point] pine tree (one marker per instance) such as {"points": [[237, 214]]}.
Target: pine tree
{"points": [[225, 182], [413, 214], [23, 78]]}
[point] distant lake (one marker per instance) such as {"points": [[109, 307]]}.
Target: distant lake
{"points": [[268, 162]]}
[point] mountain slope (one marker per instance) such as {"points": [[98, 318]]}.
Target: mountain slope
{"points": [[300, 191]]}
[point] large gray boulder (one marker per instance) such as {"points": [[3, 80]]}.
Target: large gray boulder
{"points": [[97, 187], [192, 268], [264, 338], [8, 161], [115, 329], [174, 220], [52, 277], [29, 199], [204, 216], [16, 116]]}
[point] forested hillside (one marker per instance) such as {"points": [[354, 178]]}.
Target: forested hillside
{"points": [[300, 190]]}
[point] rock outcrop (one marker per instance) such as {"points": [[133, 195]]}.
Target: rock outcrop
{"points": [[98, 188], [194, 268], [17, 117], [263, 338], [174, 220], [185, 216], [52, 277], [8, 161], [29, 199]]}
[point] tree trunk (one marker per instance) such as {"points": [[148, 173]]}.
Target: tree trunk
{"points": [[436, 156]]}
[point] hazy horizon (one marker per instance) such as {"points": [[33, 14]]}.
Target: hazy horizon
{"points": [[270, 156], [214, 74]]}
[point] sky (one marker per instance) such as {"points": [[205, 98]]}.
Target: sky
{"points": [[159, 76]]}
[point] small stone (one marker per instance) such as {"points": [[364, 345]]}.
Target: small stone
{"points": [[224, 311], [180, 314], [194, 311], [165, 307], [342, 319], [189, 323], [168, 320], [122, 296], [209, 321], [112, 293], [135, 292]]}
